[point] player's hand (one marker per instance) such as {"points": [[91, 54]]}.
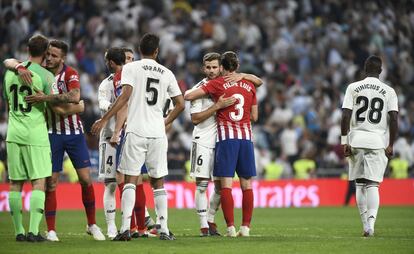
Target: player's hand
{"points": [[115, 140], [97, 126], [389, 152], [25, 75], [347, 150], [225, 102], [233, 77], [39, 96]]}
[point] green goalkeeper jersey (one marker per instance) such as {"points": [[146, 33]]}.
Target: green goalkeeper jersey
{"points": [[27, 123]]}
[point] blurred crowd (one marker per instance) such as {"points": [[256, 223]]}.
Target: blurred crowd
{"points": [[306, 51]]}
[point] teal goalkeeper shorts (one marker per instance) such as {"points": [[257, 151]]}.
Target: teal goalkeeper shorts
{"points": [[26, 162]]}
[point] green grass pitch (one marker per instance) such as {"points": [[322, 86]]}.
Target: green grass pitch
{"points": [[289, 230]]}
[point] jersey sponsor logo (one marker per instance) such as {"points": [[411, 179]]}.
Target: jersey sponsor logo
{"points": [[61, 86], [73, 77]]}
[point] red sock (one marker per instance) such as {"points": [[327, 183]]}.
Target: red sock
{"points": [[50, 210], [88, 199], [120, 188], [140, 206], [227, 204], [247, 205]]}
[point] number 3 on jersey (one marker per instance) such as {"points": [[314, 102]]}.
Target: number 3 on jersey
{"points": [[238, 114]]}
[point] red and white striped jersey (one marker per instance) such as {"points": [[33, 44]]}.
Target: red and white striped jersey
{"points": [[66, 80], [233, 122]]}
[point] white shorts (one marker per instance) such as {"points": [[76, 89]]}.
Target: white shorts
{"points": [[138, 150], [107, 161], [202, 161], [367, 163]]}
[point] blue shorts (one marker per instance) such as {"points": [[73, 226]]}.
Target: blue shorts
{"points": [[234, 155], [74, 145], [118, 154]]}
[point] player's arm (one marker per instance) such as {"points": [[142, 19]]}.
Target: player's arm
{"points": [[73, 96], [121, 117], [193, 94], [15, 65], [178, 108], [345, 123], [118, 104], [254, 113], [222, 102], [68, 108], [235, 77], [389, 151]]}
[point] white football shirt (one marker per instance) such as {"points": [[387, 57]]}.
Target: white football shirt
{"points": [[370, 101], [152, 85], [106, 97], [204, 133]]}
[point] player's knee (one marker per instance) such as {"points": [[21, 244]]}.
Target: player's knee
{"points": [[202, 186], [51, 184], [111, 186]]}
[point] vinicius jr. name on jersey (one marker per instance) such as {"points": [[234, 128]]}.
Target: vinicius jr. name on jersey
{"points": [[370, 86]]}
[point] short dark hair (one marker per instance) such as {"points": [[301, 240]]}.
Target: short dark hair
{"points": [[373, 65], [229, 61], [63, 46], [116, 54], [211, 57], [126, 49], [149, 44], [37, 45]]}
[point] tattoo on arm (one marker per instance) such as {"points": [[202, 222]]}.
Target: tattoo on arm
{"points": [[71, 96]]}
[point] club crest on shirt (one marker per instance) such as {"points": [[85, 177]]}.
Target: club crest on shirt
{"points": [[61, 86]]}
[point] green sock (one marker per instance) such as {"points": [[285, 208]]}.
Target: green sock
{"points": [[15, 203], [37, 206]]}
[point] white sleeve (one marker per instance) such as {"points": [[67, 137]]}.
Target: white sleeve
{"points": [[348, 100], [104, 95], [127, 75], [173, 88], [196, 106], [393, 101]]}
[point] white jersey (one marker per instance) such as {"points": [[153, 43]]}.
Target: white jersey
{"points": [[370, 101], [152, 85], [204, 133], [106, 96]]}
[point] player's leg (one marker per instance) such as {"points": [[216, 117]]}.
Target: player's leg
{"points": [[140, 208], [356, 173], [75, 146], [202, 161], [16, 208], [247, 206], [214, 206], [107, 172], [17, 176], [375, 163], [361, 201], [224, 168], [132, 156], [38, 162], [156, 163], [56, 146], [246, 169]]}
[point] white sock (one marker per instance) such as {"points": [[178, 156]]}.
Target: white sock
{"points": [[127, 205], [372, 204], [201, 203], [109, 203], [214, 205], [361, 200], [161, 207]]}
